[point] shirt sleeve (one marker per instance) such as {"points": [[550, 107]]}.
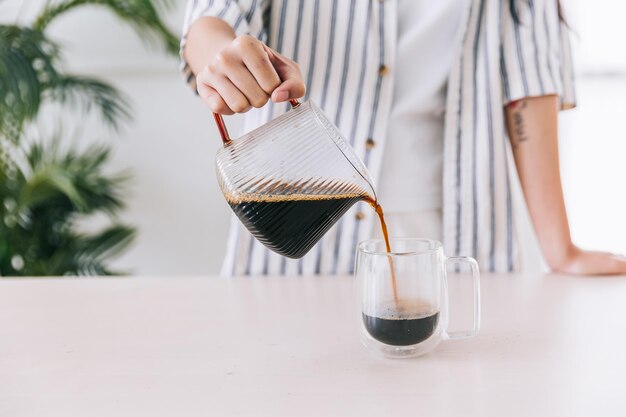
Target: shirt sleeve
{"points": [[535, 54], [246, 17]]}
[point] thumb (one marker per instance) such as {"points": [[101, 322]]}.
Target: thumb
{"points": [[292, 85], [289, 89]]}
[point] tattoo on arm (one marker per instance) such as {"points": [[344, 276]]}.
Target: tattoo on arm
{"points": [[519, 125]]}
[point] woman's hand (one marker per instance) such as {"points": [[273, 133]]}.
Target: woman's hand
{"points": [[247, 73], [582, 262]]}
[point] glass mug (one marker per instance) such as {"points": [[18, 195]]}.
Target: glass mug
{"points": [[412, 318]]}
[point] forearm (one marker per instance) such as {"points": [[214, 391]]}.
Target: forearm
{"points": [[206, 37], [532, 127]]}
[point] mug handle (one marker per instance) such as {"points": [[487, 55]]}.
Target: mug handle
{"points": [[476, 281], [221, 127]]}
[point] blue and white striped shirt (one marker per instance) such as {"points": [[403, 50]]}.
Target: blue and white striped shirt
{"points": [[346, 49]]}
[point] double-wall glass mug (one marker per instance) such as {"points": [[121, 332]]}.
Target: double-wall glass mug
{"points": [[407, 315]]}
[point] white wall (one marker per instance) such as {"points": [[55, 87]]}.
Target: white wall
{"points": [[592, 136], [181, 215], [592, 157], [599, 31]]}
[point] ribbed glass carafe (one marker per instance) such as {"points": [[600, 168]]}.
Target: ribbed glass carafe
{"points": [[289, 181]]}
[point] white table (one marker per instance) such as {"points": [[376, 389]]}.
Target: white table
{"points": [[549, 346]]}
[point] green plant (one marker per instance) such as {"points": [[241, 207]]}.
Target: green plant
{"points": [[47, 190]]}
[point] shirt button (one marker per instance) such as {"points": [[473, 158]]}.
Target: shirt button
{"points": [[359, 215], [383, 70], [369, 143]]}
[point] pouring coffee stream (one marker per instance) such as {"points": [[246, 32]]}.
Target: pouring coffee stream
{"points": [[290, 180], [383, 225]]}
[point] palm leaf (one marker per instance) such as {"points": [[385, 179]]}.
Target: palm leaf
{"points": [[87, 254], [94, 250], [48, 184], [27, 65], [75, 178], [85, 93], [100, 192]]}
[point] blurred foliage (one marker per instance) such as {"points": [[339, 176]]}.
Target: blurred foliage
{"points": [[43, 196], [47, 190], [30, 76]]}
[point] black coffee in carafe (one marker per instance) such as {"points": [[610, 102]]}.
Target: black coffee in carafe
{"points": [[291, 224]]}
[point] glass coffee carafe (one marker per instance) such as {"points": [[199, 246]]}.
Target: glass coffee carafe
{"points": [[290, 180]]}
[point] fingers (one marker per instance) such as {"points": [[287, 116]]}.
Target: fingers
{"points": [[246, 74], [619, 264], [229, 100], [292, 85], [246, 82], [210, 96], [597, 263], [289, 89], [258, 63], [232, 96], [603, 263]]}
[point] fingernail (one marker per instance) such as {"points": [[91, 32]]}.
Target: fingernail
{"points": [[281, 96]]}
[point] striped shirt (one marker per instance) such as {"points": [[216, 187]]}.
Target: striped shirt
{"points": [[346, 49]]}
